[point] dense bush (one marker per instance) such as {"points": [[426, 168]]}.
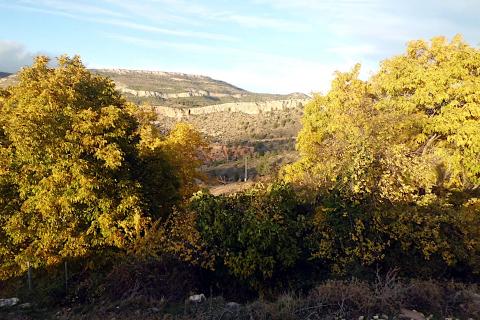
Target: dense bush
{"points": [[436, 240], [256, 235], [268, 235]]}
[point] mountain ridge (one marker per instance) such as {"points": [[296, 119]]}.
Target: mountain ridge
{"points": [[175, 89], [182, 90]]}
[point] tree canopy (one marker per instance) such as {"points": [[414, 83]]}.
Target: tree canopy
{"points": [[80, 168], [411, 130]]}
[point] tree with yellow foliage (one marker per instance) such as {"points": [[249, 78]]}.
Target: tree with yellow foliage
{"points": [[395, 161], [183, 145], [409, 131], [81, 169]]}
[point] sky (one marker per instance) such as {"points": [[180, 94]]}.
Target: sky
{"points": [[275, 46]]}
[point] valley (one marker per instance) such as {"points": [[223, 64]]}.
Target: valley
{"points": [[235, 122]]}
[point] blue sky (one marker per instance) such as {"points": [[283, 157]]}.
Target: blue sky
{"points": [[276, 46]]}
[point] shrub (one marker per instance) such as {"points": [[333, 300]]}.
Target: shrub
{"points": [[256, 235], [157, 279], [426, 241]]}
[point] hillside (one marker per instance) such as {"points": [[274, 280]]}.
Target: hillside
{"points": [[267, 139], [172, 89], [7, 79], [180, 90], [238, 122]]}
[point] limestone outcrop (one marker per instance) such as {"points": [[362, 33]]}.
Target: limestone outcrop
{"points": [[245, 107], [163, 95]]}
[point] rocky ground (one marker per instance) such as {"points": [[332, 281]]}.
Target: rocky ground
{"points": [[354, 299]]}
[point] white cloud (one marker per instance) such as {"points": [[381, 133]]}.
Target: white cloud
{"points": [[194, 12], [125, 23], [263, 22], [326, 6], [151, 11], [386, 26], [159, 44], [178, 33], [347, 50], [13, 56], [380, 21], [301, 76]]}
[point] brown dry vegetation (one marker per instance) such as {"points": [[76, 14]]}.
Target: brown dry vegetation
{"points": [[237, 127], [385, 298]]}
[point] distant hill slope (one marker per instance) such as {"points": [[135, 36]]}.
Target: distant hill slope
{"points": [[236, 121], [7, 79], [180, 90], [168, 82]]}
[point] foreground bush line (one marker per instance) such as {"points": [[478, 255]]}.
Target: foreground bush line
{"points": [[267, 241], [385, 298]]}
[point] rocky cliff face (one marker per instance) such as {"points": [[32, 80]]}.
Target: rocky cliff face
{"points": [[177, 95], [244, 107], [188, 94]]}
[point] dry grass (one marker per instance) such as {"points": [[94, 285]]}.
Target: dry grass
{"points": [[386, 298]]}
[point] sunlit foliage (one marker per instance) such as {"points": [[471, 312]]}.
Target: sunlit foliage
{"points": [[409, 131], [395, 162], [255, 235], [80, 168]]}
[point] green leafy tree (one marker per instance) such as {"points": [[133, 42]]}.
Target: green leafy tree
{"points": [[255, 235]]}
